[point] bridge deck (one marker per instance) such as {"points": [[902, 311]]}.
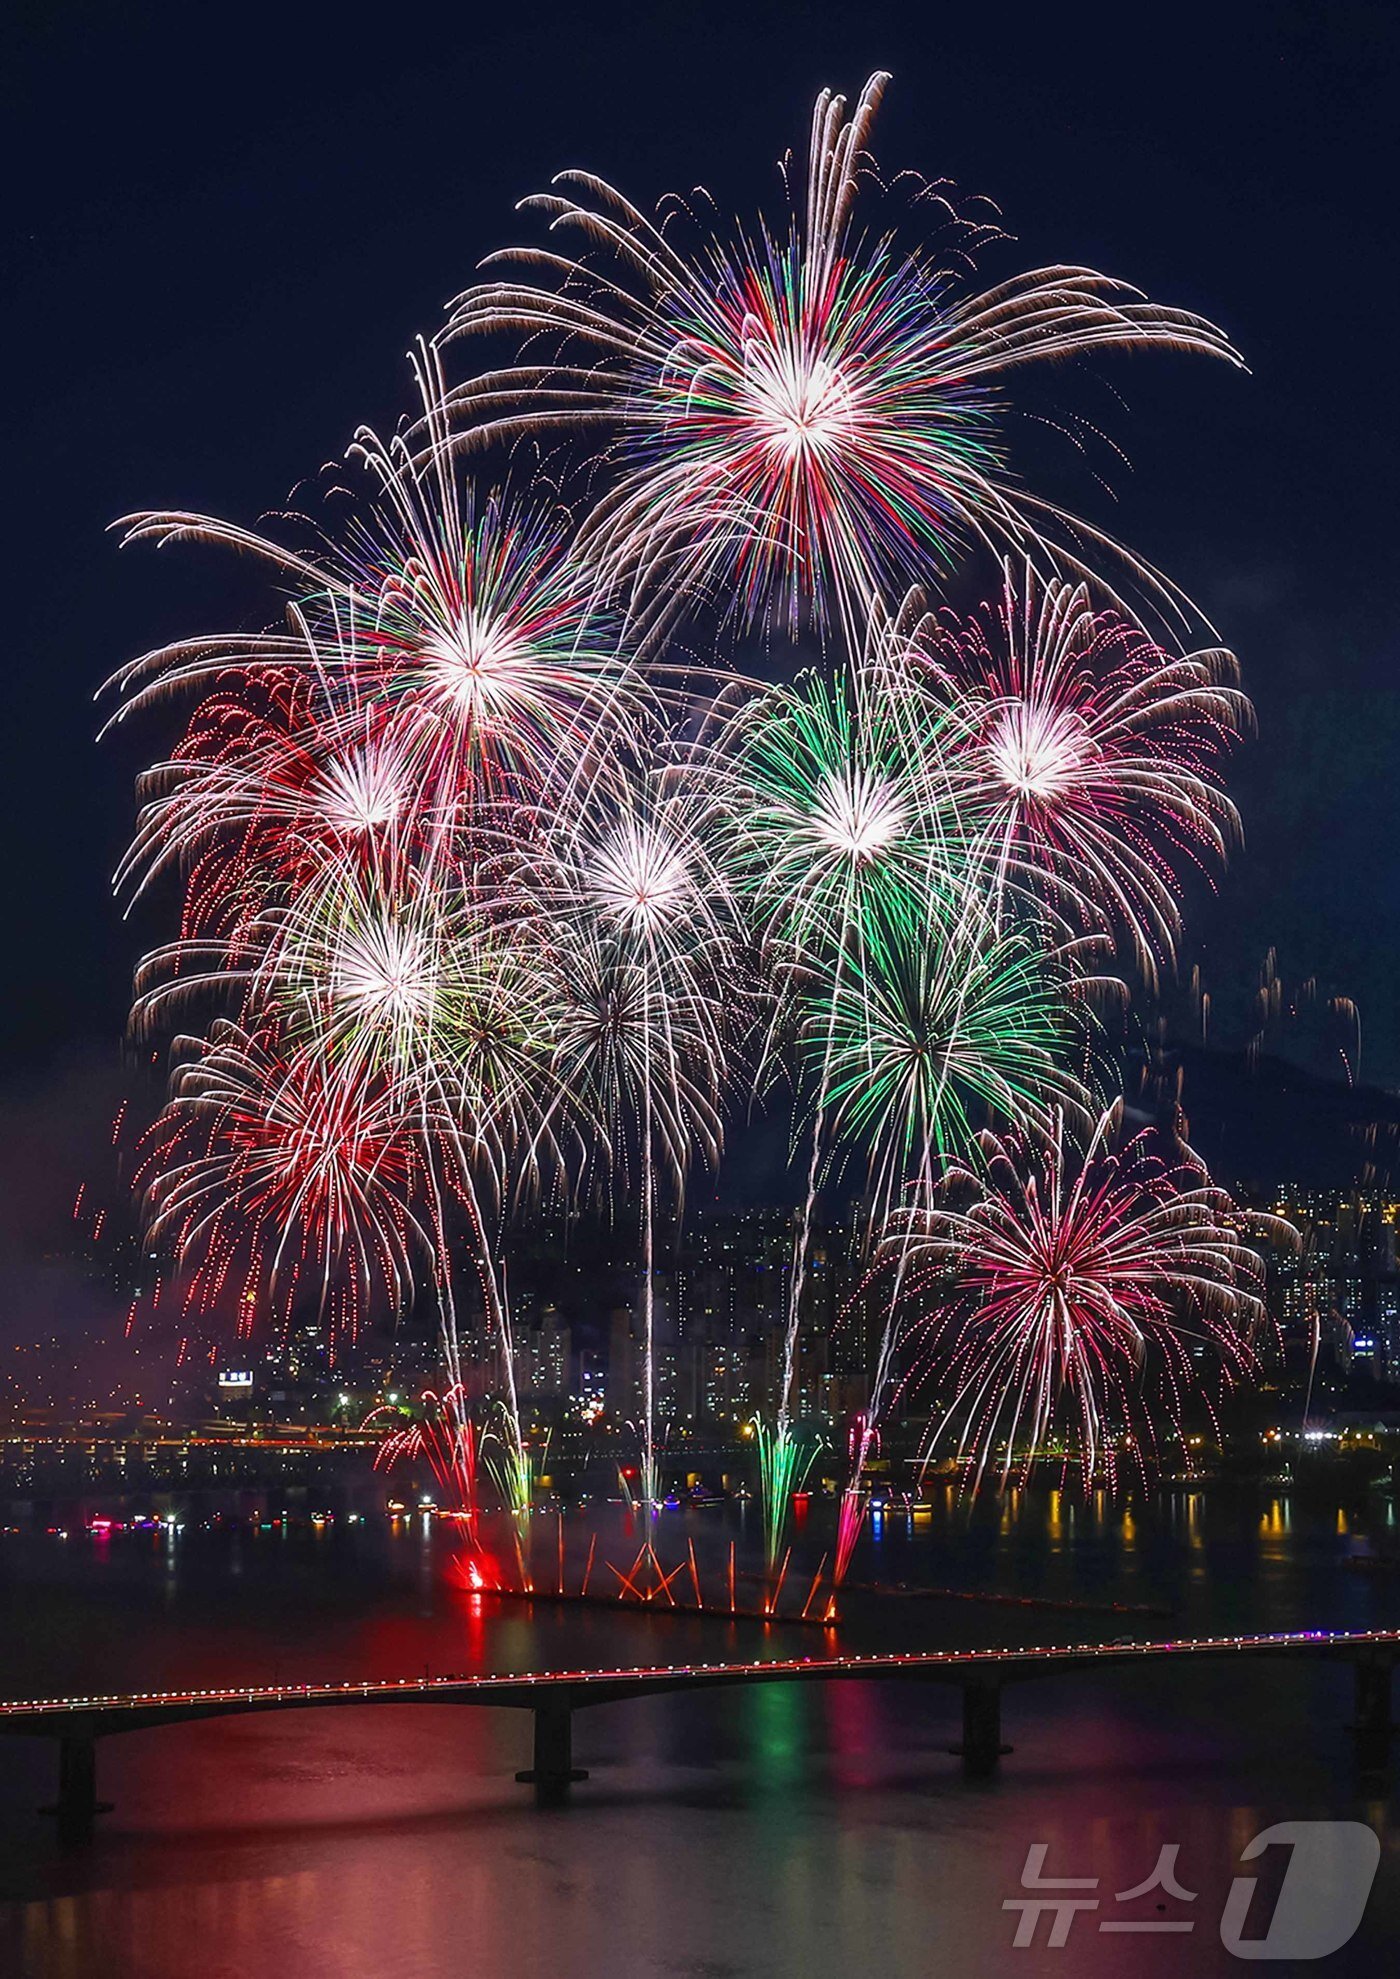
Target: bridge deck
{"points": [[107, 1713]]}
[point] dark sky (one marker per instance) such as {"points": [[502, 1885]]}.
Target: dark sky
{"points": [[227, 223]]}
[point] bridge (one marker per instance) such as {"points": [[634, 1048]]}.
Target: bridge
{"points": [[77, 1723]]}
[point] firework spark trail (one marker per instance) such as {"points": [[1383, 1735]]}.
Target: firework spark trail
{"points": [[1086, 750], [464, 620], [647, 1035], [945, 1020], [1081, 753], [784, 1464], [831, 816], [847, 826], [850, 1514], [444, 1436]]}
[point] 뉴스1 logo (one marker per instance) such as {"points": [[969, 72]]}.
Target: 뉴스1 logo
{"points": [[1321, 1901]]}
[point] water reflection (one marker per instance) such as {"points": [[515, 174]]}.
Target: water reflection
{"points": [[773, 1829]]}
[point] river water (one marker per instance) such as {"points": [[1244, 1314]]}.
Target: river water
{"points": [[773, 1830]]}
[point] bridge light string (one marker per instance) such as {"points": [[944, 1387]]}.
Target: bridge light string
{"points": [[817, 1667]]}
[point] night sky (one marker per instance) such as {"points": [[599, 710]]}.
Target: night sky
{"points": [[226, 224]]}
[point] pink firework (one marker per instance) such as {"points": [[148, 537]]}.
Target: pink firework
{"points": [[1088, 758], [1073, 1301]]}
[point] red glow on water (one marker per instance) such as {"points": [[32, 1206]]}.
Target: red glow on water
{"points": [[477, 1571]]}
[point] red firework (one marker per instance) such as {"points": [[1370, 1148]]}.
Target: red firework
{"points": [[276, 1174]]}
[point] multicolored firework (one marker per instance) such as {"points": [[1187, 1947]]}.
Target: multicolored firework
{"points": [[1064, 1291], [808, 416], [354, 813], [457, 631], [489, 896]]}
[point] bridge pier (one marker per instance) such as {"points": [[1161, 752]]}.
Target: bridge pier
{"points": [[554, 1771], [77, 1806], [981, 1745], [1372, 1729]]}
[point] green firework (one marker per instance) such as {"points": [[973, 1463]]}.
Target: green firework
{"points": [[785, 1459], [932, 1024]]}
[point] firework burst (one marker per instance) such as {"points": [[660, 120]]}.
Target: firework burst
{"points": [[838, 803], [1067, 1290], [1088, 758], [806, 416], [651, 1007], [937, 1023], [275, 1173]]}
